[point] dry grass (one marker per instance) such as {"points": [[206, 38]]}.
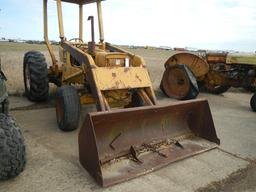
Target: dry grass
{"points": [[12, 63]]}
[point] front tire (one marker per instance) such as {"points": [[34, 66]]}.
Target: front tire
{"points": [[253, 102], [67, 108], [35, 75], [12, 148]]}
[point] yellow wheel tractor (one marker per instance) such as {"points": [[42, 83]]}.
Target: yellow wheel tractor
{"points": [[215, 72], [129, 135]]}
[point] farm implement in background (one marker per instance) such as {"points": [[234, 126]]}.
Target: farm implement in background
{"points": [[215, 72]]}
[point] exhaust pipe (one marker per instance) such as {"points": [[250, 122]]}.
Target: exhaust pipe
{"points": [[91, 44]]}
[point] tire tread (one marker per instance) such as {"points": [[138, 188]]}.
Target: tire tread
{"points": [[12, 148], [39, 82]]}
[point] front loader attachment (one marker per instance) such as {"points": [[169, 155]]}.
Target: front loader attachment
{"points": [[119, 145]]}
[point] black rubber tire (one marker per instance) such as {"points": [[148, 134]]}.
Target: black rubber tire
{"points": [[12, 148], [253, 102], [4, 106], [35, 68], [67, 108], [218, 89]]}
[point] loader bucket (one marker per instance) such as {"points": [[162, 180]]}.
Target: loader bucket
{"points": [[119, 145]]}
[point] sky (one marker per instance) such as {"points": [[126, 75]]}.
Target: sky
{"points": [[202, 24]]}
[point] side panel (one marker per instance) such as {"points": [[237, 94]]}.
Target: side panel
{"points": [[241, 59], [114, 78]]}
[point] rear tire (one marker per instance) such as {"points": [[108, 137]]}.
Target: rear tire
{"points": [[218, 89], [67, 108], [12, 148], [35, 75], [253, 102]]}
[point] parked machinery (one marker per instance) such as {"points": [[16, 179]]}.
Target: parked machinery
{"points": [[216, 72], [230, 70], [129, 135], [182, 71], [12, 147]]}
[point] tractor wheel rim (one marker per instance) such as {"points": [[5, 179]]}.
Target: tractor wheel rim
{"points": [[176, 83]]}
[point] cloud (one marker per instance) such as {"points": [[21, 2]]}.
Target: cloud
{"points": [[214, 24]]}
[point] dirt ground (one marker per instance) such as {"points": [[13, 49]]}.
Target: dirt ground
{"points": [[53, 155], [242, 180]]}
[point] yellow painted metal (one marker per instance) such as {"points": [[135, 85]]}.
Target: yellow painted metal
{"points": [[61, 54], [100, 20], [114, 78], [86, 99], [68, 59], [249, 59], [105, 59], [102, 46], [138, 61], [71, 74], [114, 98], [81, 21], [60, 19], [49, 47], [80, 1]]}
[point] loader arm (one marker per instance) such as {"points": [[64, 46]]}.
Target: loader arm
{"points": [[87, 60], [102, 79]]}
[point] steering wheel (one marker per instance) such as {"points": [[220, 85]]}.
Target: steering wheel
{"points": [[79, 42], [76, 40]]}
